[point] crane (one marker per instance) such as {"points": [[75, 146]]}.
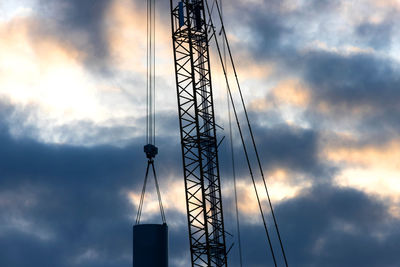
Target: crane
{"points": [[198, 134], [191, 26]]}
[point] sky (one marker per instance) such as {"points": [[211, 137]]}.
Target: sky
{"points": [[321, 80]]}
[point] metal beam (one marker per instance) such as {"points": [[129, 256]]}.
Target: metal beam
{"points": [[198, 133]]}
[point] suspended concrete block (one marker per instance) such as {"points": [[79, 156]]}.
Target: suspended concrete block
{"points": [[150, 245]]}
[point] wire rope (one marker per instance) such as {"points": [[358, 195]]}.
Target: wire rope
{"points": [[232, 155], [150, 148], [251, 134], [158, 194], [150, 72], [142, 196], [147, 76], [154, 71], [241, 136], [139, 212]]}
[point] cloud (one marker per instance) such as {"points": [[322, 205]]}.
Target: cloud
{"points": [[372, 168], [289, 147], [336, 226], [377, 35], [68, 201], [322, 80], [45, 72], [82, 22], [356, 92], [80, 195], [358, 79], [47, 76], [74, 200], [325, 225]]}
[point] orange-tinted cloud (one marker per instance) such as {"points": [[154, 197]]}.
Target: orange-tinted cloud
{"points": [[292, 92], [42, 71], [125, 28], [372, 168], [289, 92], [280, 186], [387, 156]]}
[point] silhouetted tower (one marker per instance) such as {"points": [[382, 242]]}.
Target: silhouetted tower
{"points": [[198, 133]]}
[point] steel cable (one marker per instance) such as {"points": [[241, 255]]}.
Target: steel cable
{"points": [[158, 194], [241, 135], [139, 212], [150, 73], [142, 196], [150, 109], [232, 156], [251, 133]]}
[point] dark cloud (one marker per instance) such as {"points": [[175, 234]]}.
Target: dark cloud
{"points": [[75, 196], [338, 227], [269, 40], [65, 205], [318, 6], [263, 24], [359, 88], [275, 30], [81, 24], [379, 36], [292, 148], [345, 80], [353, 80], [70, 203], [324, 226], [84, 25]]}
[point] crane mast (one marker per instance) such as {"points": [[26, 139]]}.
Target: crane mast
{"points": [[198, 133]]}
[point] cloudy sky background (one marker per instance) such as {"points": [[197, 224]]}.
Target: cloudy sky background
{"points": [[322, 83]]}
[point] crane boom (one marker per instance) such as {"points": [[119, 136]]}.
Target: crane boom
{"points": [[198, 133]]}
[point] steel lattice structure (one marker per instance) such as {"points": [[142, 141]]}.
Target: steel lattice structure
{"points": [[198, 133]]}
